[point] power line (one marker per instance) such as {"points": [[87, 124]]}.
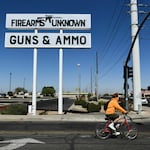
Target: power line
{"points": [[113, 30], [113, 65], [115, 52]]}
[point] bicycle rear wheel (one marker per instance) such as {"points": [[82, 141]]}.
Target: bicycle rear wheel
{"points": [[102, 133]]}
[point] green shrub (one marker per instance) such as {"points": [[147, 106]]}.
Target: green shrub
{"points": [[83, 103], [82, 97], [94, 107], [92, 99], [103, 102], [16, 109], [90, 106]]}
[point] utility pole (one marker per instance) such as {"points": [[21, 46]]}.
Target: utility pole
{"points": [[136, 57], [10, 81], [96, 81], [91, 82], [79, 81], [128, 58]]}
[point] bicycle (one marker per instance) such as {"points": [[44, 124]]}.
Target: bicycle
{"points": [[126, 127]]}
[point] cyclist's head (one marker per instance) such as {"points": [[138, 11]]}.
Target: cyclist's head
{"points": [[115, 95]]}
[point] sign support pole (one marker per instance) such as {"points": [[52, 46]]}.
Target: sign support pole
{"points": [[34, 79], [60, 99]]}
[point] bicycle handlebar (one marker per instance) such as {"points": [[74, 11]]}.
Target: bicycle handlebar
{"points": [[125, 115]]}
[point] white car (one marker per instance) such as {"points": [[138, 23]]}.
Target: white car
{"points": [[144, 101]]}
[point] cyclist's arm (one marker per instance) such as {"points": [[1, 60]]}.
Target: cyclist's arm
{"points": [[120, 108]]}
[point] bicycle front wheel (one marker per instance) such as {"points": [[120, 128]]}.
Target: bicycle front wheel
{"points": [[130, 131], [132, 134]]}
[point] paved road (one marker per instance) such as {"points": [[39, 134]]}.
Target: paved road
{"points": [[49, 127], [77, 142], [66, 136], [48, 104], [53, 104], [38, 135]]}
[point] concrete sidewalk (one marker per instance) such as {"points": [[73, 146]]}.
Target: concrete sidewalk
{"points": [[144, 116]]}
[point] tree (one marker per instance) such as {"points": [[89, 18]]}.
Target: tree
{"points": [[20, 89], [48, 91], [10, 93]]}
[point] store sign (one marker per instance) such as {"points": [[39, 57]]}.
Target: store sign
{"points": [[48, 21], [47, 40]]}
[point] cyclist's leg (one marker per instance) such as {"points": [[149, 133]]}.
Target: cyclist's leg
{"points": [[116, 118], [112, 117]]}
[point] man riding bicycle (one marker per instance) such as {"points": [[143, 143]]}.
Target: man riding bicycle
{"points": [[111, 112]]}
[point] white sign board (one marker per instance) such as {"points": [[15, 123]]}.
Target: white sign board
{"points": [[47, 40], [48, 21]]}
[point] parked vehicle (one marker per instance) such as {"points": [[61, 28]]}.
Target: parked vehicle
{"points": [[148, 102], [144, 101]]}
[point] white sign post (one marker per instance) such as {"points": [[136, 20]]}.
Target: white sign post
{"points": [[48, 40], [60, 98], [34, 80]]}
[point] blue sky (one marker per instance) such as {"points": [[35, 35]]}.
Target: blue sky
{"points": [[111, 38]]}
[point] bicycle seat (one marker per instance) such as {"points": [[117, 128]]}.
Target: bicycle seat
{"points": [[107, 118]]}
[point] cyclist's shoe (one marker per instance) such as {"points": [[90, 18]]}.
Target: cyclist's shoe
{"points": [[111, 126], [116, 133], [117, 125]]}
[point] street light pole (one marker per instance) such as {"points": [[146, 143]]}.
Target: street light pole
{"points": [[10, 81], [79, 81], [24, 80], [96, 80]]}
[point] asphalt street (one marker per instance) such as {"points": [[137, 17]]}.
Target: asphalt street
{"points": [[47, 104], [66, 136], [52, 104], [49, 127]]}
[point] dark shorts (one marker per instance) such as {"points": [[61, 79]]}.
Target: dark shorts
{"points": [[112, 116]]}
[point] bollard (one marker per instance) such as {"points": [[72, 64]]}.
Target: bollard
{"points": [[29, 109]]}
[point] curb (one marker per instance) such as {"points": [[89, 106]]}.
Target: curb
{"points": [[69, 117]]}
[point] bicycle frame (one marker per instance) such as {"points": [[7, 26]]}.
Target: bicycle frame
{"points": [[125, 122], [106, 128]]}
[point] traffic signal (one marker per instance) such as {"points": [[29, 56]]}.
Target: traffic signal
{"points": [[130, 72]]}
